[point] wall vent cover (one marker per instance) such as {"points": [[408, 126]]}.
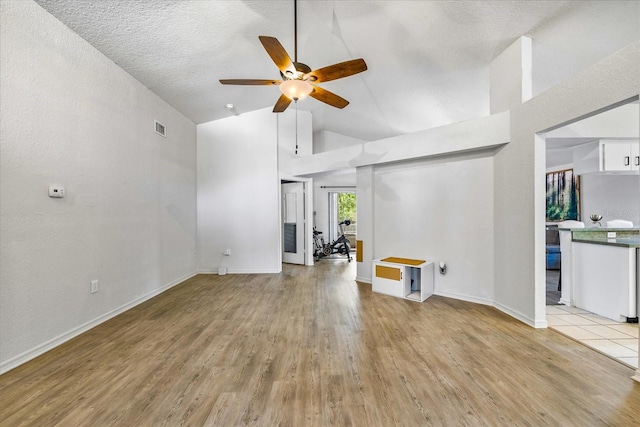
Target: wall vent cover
{"points": [[161, 129]]}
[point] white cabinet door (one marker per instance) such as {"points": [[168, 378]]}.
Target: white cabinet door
{"points": [[388, 279], [616, 156]]}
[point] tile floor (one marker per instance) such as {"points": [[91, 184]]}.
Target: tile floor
{"points": [[614, 339]]}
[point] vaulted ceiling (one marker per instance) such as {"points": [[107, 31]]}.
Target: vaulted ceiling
{"points": [[428, 60]]}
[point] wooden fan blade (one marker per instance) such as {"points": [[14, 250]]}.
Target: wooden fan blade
{"points": [[328, 97], [279, 55], [336, 71], [282, 104], [250, 82]]}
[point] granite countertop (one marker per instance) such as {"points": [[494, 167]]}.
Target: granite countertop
{"points": [[625, 237], [624, 241], [600, 229]]}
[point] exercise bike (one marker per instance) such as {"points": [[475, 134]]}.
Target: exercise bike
{"points": [[338, 246]]}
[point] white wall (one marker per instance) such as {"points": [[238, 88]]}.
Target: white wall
{"points": [[440, 210], [241, 160], [329, 141], [510, 76], [71, 117], [293, 126], [558, 159], [238, 194], [620, 122], [476, 134], [612, 196], [555, 56]]}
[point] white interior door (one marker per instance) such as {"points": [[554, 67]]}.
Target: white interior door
{"points": [[294, 224]]}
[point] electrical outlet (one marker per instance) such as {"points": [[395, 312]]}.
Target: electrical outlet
{"points": [[94, 286], [227, 252], [611, 234]]}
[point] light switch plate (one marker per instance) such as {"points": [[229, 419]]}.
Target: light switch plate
{"points": [[611, 234]]}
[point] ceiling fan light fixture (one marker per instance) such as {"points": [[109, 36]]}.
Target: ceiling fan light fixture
{"points": [[298, 80], [296, 89]]}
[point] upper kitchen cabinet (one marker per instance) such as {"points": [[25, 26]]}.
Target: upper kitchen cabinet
{"points": [[608, 156], [619, 156]]}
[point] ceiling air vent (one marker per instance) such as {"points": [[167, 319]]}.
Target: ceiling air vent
{"points": [[160, 129]]}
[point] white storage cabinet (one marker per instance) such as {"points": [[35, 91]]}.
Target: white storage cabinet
{"points": [[403, 278], [607, 156]]}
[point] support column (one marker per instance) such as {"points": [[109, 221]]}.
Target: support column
{"points": [[365, 204]]}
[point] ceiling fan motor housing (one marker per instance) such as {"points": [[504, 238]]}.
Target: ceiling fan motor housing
{"points": [[301, 70]]}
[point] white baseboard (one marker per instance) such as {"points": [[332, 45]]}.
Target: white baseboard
{"points": [[468, 298], [485, 301], [40, 349], [521, 317], [363, 279], [242, 271], [637, 376]]}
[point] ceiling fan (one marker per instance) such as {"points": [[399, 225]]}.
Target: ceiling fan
{"points": [[298, 80]]}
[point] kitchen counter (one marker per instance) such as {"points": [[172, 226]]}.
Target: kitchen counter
{"points": [[625, 237], [599, 273], [605, 269]]}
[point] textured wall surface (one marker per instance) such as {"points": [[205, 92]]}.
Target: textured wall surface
{"points": [[72, 117], [238, 194], [440, 210]]}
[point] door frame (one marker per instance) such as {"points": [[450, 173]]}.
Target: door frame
{"points": [[308, 215]]}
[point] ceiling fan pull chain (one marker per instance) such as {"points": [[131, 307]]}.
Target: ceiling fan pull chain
{"points": [[296, 127]]}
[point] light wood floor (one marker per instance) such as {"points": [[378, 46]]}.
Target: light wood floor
{"points": [[311, 347]]}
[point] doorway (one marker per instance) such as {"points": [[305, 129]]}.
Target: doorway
{"points": [[342, 206], [574, 173], [293, 223]]}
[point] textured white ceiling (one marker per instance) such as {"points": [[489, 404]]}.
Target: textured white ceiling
{"points": [[428, 60]]}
